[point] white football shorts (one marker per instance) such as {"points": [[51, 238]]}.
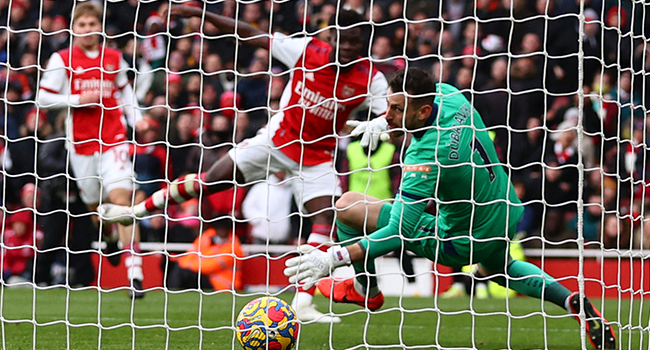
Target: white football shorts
{"points": [[98, 174], [258, 157]]}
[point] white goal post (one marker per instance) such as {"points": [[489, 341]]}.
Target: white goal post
{"points": [[562, 86]]}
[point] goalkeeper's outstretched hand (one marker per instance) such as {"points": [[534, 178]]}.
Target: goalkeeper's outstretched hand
{"points": [[312, 264], [372, 131]]}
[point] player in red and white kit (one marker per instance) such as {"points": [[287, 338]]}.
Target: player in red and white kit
{"points": [[90, 80], [329, 82]]}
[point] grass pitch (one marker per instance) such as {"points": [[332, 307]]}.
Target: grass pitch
{"points": [[88, 319]]}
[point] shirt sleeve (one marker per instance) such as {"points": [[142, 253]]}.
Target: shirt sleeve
{"points": [[376, 100], [55, 76], [288, 50], [53, 88]]}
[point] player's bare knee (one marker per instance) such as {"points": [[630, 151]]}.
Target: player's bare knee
{"points": [[344, 206], [120, 196], [348, 200]]}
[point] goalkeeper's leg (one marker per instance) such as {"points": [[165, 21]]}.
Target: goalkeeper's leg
{"points": [[530, 280], [216, 179]]}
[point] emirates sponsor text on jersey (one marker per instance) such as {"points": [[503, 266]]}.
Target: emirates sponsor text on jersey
{"points": [[103, 86], [315, 103]]}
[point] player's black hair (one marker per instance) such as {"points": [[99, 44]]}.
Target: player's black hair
{"points": [[417, 82], [347, 18]]}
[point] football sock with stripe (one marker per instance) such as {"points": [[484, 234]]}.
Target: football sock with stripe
{"points": [[182, 189]]}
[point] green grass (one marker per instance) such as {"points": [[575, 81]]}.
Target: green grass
{"points": [[92, 320]]}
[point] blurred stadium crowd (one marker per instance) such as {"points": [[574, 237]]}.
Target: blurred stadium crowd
{"points": [[202, 92]]}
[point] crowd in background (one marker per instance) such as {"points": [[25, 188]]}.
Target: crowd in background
{"points": [[202, 92]]}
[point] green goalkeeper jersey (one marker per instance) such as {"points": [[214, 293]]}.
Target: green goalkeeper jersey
{"points": [[451, 160]]}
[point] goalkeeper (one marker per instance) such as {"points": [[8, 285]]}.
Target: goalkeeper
{"points": [[452, 159]]}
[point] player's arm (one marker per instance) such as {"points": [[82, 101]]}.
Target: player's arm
{"points": [[226, 25], [53, 83], [127, 98], [374, 129]]}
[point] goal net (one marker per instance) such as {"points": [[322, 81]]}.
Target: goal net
{"points": [[561, 86]]}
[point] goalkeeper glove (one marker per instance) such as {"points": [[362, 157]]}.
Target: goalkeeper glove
{"points": [[372, 131], [313, 264]]}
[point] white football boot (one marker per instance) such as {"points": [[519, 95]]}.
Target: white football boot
{"points": [[115, 214]]}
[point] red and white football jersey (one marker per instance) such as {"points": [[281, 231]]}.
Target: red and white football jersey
{"points": [[73, 72], [319, 98]]}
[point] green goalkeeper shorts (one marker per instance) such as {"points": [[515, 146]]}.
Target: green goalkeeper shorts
{"points": [[457, 249]]}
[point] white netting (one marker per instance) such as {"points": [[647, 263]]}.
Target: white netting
{"points": [[562, 86]]}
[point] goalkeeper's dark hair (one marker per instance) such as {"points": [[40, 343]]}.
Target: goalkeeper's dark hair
{"points": [[347, 19], [417, 82]]}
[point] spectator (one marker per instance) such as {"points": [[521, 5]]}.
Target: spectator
{"points": [[370, 172], [626, 103], [145, 74], [592, 45], [453, 11], [500, 108], [213, 74], [198, 53], [211, 263], [30, 196], [19, 16], [533, 146], [150, 160], [29, 68], [176, 98], [229, 104], [20, 81], [253, 88], [383, 56], [527, 81], [193, 89], [59, 37], [495, 18], [592, 216], [642, 235], [464, 81], [4, 49], [215, 142], [181, 139], [154, 47], [12, 108], [19, 247], [470, 59], [560, 44], [34, 130], [616, 232], [560, 185], [425, 55], [267, 207], [67, 228], [30, 42]]}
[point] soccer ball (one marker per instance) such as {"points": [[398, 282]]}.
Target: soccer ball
{"points": [[267, 323]]}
